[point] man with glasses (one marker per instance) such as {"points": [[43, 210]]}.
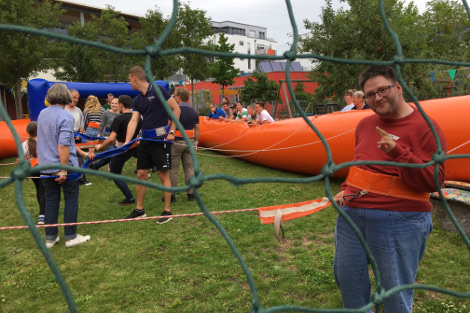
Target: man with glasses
{"points": [[389, 204]]}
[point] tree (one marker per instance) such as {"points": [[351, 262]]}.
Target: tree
{"points": [[153, 25], [87, 64], [194, 28], [447, 30], [25, 54], [359, 33], [223, 69], [258, 87]]}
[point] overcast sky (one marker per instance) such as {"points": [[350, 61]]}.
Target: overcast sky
{"points": [[271, 14]]}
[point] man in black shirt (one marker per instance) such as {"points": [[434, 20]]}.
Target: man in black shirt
{"points": [[180, 150], [118, 132]]}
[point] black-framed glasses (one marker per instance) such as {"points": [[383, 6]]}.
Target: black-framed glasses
{"points": [[383, 92]]}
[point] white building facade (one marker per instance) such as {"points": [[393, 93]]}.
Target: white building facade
{"points": [[248, 39]]}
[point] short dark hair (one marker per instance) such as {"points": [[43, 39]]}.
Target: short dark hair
{"points": [[372, 71], [260, 103], [126, 101], [138, 72], [183, 93]]}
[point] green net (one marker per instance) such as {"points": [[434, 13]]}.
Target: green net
{"points": [[24, 170]]}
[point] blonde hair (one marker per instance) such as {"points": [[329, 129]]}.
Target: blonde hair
{"points": [[92, 105]]}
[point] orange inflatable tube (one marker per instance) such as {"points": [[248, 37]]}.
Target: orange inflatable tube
{"points": [[291, 144], [7, 143]]}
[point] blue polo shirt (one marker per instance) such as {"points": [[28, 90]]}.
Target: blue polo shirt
{"points": [[55, 126], [218, 112], [149, 106]]}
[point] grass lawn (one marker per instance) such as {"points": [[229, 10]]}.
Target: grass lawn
{"points": [[186, 265]]}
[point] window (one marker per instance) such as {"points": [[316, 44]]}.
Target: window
{"points": [[249, 64], [262, 35], [241, 43]]}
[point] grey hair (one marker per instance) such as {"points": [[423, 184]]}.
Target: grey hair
{"points": [[359, 94], [59, 94]]}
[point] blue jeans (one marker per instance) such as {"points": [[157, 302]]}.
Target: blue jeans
{"points": [[115, 166], [52, 192], [91, 131], [397, 241]]}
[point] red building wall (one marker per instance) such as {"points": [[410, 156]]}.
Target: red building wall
{"points": [[276, 76]]}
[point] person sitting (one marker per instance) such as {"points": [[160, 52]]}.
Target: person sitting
{"points": [[251, 114], [348, 98], [358, 101], [234, 110], [227, 108], [242, 113], [263, 117], [216, 113]]}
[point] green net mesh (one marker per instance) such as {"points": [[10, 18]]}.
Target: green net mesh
{"points": [[24, 170]]}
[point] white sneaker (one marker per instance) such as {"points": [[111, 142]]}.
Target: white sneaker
{"points": [[51, 243], [77, 241]]}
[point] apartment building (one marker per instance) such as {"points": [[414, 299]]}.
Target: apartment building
{"points": [[248, 39]]}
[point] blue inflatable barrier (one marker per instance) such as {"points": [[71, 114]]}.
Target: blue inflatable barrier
{"points": [[37, 90]]}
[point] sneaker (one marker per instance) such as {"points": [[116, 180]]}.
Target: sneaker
{"points": [[84, 181], [173, 199], [163, 220], [135, 171], [51, 243], [136, 214], [127, 201], [190, 197], [77, 241], [149, 175], [154, 169], [41, 220]]}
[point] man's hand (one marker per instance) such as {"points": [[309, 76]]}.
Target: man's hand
{"points": [[62, 176], [339, 198], [386, 144], [170, 137]]}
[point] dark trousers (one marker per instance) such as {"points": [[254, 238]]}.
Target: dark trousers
{"points": [[40, 195], [52, 192]]}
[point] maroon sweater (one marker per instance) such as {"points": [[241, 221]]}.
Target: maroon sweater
{"points": [[415, 145]]}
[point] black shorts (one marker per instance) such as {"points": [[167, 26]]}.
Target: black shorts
{"points": [[154, 154]]}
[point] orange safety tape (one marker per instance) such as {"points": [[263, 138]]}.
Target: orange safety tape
{"points": [[190, 133], [277, 214], [94, 125]]}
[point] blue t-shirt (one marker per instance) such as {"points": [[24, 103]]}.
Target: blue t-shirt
{"points": [[149, 106], [55, 126], [218, 112]]}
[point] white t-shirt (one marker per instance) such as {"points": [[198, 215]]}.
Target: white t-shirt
{"points": [[78, 116], [264, 116], [348, 107]]}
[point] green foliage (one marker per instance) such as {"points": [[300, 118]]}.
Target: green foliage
{"points": [[153, 26], [258, 87], [447, 30], [25, 54], [194, 27], [223, 69], [359, 33], [87, 64]]}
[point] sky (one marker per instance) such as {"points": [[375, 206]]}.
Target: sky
{"points": [[272, 14]]}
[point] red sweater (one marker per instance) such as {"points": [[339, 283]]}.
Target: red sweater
{"points": [[415, 145]]}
